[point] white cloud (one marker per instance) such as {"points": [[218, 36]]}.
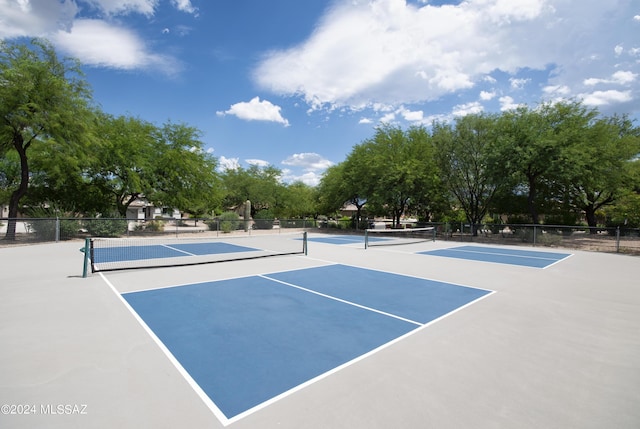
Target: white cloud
{"points": [[486, 95], [604, 98], [518, 83], [185, 6], [102, 41], [411, 115], [124, 7], [507, 103], [467, 109], [394, 52], [310, 178], [35, 18], [309, 161], [98, 43], [562, 90], [620, 77], [258, 162], [256, 110], [310, 167], [388, 118], [619, 49], [225, 163]]}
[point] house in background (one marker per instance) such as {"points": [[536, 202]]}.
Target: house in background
{"points": [[143, 210]]}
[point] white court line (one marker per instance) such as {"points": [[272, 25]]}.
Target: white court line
{"points": [[203, 396], [227, 421], [178, 250], [396, 273], [500, 254], [559, 260], [355, 360], [364, 307]]}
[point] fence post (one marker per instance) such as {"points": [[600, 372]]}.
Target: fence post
{"points": [[535, 230], [618, 239], [86, 250], [57, 229]]}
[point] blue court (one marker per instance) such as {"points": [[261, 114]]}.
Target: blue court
{"points": [[136, 253], [247, 340], [510, 256], [343, 239]]}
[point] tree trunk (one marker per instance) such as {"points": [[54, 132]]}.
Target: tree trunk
{"points": [[16, 196], [531, 201]]}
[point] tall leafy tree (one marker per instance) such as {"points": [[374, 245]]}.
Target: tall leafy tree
{"points": [[535, 144], [42, 98], [260, 185], [183, 174], [331, 193], [468, 163], [392, 171], [599, 166], [298, 201], [122, 166]]}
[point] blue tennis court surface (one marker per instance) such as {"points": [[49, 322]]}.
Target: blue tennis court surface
{"points": [[247, 340], [527, 258], [136, 253], [343, 239]]}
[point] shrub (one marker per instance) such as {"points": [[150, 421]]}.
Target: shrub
{"points": [[106, 227], [263, 219], [44, 224], [154, 226], [229, 221]]}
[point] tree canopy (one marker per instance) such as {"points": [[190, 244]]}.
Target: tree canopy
{"points": [[558, 160], [44, 99]]}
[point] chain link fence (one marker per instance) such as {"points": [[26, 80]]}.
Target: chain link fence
{"points": [[38, 230], [600, 239]]}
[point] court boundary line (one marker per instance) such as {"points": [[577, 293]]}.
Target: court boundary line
{"points": [[344, 301], [455, 249], [398, 274], [210, 404], [178, 250], [355, 360], [243, 276], [222, 418], [555, 261]]}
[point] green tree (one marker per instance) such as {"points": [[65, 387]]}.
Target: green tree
{"points": [[536, 145], [42, 98], [298, 201], [342, 184], [260, 185], [122, 166], [599, 165], [470, 169], [183, 173]]}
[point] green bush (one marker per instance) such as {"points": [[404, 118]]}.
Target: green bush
{"points": [[263, 219], [106, 227], [154, 226], [44, 224], [45, 229], [229, 221]]}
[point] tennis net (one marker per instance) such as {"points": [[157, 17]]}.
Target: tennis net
{"points": [[391, 237], [111, 254]]}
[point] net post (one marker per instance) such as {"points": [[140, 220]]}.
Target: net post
{"points": [[434, 233], [304, 243], [366, 239], [87, 251]]}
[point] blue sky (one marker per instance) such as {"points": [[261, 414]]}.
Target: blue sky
{"points": [[297, 83]]}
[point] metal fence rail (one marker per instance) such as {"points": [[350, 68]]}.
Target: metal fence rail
{"points": [[37, 230], [600, 239]]}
